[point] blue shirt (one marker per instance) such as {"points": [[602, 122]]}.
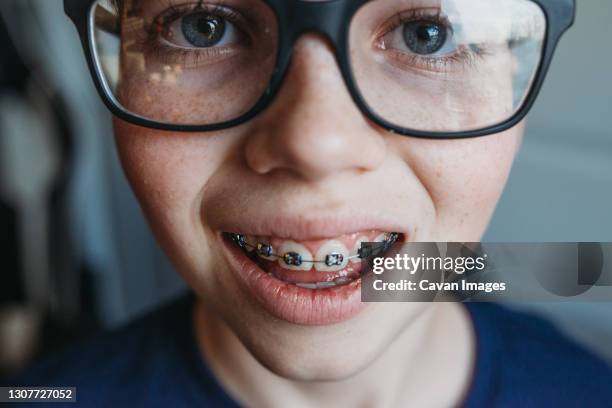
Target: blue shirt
{"points": [[522, 361]]}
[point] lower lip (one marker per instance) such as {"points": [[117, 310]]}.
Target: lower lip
{"points": [[292, 303]]}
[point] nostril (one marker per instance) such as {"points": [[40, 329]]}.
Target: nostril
{"points": [[315, 154]]}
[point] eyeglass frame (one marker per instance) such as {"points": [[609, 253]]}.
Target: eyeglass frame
{"points": [[333, 20]]}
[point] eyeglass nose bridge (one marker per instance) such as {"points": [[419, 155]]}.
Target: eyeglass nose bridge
{"points": [[329, 18]]}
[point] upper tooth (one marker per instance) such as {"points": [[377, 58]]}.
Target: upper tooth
{"points": [[261, 244], [251, 243], [291, 246], [356, 247], [239, 239], [328, 248], [380, 238]]}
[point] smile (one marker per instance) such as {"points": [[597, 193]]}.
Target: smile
{"points": [[305, 271], [316, 264]]}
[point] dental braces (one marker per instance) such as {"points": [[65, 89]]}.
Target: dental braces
{"points": [[333, 259]]}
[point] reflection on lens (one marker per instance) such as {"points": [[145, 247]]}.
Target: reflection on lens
{"points": [[446, 65], [185, 62]]}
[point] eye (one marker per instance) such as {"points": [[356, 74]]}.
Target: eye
{"points": [[201, 30], [421, 37], [424, 37]]}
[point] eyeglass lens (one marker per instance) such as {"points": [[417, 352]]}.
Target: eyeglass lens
{"points": [[427, 65]]}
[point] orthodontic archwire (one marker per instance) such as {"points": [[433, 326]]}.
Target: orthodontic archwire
{"points": [[333, 259]]}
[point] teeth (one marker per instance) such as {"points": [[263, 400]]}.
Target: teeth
{"points": [[332, 256], [318, 285], [307, 285], [262, 250], [392, 238], [377, 249], [251, 243], [341, 280], [356, 247], [239, 239], [380, 238], [293, 247], [332, 248]]}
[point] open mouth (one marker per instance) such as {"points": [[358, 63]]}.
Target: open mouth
{"points": [[306, 281], [314, 264]]}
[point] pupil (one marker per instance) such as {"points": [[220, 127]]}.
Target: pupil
{"points": [[423, 37], [427, 33], [202, 29], [207, 27]]}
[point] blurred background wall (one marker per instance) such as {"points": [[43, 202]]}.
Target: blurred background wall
{"points": [[97, 264], [560, 189]]}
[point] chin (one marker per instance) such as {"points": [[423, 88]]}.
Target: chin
{"points": [[318, 352], [320, 366]]}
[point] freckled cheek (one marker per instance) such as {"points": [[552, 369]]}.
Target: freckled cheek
{"points": [[483, 174], [464, 179], [167, 171]]}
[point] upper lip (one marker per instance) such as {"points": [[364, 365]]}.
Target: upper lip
{"points": [[307, 227]]}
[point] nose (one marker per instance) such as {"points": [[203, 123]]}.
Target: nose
{"points": [[313, 129]]}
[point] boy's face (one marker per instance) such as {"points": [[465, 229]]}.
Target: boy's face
{"points": [[309, 169]]}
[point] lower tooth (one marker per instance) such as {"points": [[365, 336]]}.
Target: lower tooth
{"points": [[318, 285], [341, 280]]}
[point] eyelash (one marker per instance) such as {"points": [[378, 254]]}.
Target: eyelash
{"points": [[464, 56], [173, 11], [186, 56]]}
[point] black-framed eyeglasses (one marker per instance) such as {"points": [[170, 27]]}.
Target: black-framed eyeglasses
{"points": [[423, 68]]}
